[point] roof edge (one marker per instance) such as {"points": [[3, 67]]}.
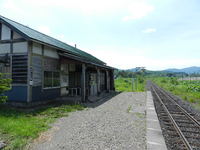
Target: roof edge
{"points": [[28, 38], [85, 61], [13, 28], [63, 50]]}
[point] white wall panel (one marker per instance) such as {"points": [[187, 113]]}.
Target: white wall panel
{"points": [[50, 52], [16, 35], [4, 48], [6, 33], [20, 47], [37, 48]]}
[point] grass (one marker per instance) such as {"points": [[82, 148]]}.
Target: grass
{"points": [[140, 115], [17, 128], [125, 85], [128, 109], [182, 89]]}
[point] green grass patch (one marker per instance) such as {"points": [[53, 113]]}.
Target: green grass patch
{"points": [[187, 90], [125, 85], [17, 128], [140, 115], [128, 109]]}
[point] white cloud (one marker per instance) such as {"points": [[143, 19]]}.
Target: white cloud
{"points": [[44, 29], [63, 38], [137, 10], [136, 57], [161, 64], [133, 9], [88, 7], [8, 6], [149, 30], [116, 57]]}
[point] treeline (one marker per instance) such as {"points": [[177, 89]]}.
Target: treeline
{"points": [[147, 73], [128, 74]]}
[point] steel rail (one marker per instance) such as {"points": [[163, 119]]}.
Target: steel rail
{"points": [[185, 141], [183, 110]]}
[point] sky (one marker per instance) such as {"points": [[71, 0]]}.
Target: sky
{"points": [[156, 34]]}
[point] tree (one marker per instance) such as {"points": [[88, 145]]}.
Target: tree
{"points": [[4, 86]]}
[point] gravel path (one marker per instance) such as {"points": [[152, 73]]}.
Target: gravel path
{"points": [[119, 123]]}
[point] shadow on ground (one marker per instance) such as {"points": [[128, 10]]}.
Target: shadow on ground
{"points": [[101, 100]]}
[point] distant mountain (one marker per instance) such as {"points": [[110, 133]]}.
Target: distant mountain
{"points": [[188, 70], [172, 70]]}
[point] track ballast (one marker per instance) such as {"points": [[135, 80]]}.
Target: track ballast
{"points": [[182, 130]]}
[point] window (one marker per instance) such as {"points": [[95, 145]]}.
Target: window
{"points": [[51, 79], [56, 79], [47, 79]]}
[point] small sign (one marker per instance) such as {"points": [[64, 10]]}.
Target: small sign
{"points": [[31, 82]]}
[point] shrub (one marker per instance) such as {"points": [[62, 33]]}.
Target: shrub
{"points": [[140, 79], [174, 81], [4, 86], [172, 88], [126, 81], [193, 88], [185, 97], [163, 81], [192, 100]]}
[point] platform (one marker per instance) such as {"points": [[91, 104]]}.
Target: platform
{"points": [[155, 139]]}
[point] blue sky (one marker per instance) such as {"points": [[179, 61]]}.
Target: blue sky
{"points": [[156, 34]]}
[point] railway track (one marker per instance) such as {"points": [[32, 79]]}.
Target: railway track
{"points": [[182, 128]]}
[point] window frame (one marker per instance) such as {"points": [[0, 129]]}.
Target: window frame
{"points": [[52, 80]]}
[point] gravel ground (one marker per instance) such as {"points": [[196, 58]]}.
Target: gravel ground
{"points": [[119, 123]]}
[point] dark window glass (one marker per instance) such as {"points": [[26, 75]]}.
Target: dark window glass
{"points": [[56, 79], [47, 79]]}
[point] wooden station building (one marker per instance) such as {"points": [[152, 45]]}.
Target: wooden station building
{"points": [[43, 68]]}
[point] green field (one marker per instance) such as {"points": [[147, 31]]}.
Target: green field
{"points": [[187, 90], [17, 128], [125, 85]]}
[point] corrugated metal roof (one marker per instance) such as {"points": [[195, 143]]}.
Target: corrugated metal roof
{"points": [[35, 35]]}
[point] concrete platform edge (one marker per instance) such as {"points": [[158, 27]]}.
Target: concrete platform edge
{"points": [[155, 139]]}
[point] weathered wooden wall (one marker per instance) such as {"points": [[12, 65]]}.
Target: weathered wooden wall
{"points": [[17, 67], [29, 61]]}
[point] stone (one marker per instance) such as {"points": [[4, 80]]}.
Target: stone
{"points": [[2, 144]]}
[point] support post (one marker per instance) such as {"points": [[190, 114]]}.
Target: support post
{"points": [[11, 52], [108, 81], [83, 83], [30, 73], [98, 81], [112, 81], [0, 31]]}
